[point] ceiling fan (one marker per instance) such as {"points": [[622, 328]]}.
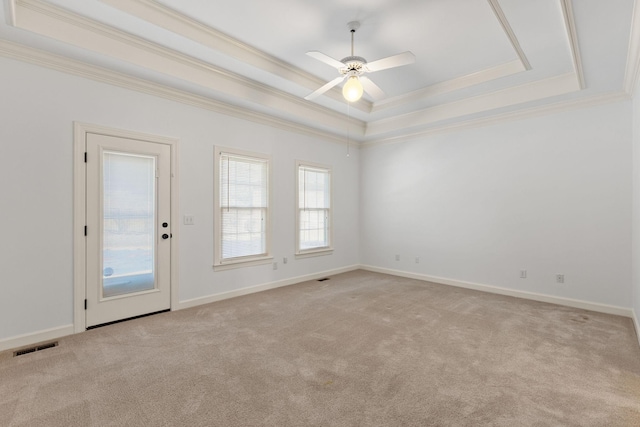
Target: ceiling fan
{"points": [[353, 67]]}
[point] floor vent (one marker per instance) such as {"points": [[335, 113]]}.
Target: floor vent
{"points": [[36, 348], [323, 279]]}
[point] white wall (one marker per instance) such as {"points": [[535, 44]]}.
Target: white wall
{"points": [[38, 109], [551, 195]]}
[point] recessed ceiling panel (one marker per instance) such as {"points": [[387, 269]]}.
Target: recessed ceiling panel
{"points": [[450, 39]]}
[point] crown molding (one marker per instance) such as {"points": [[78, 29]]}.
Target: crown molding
{"points": [[555, 108], [632, 71], [63, 25], [497, 10], [66, 65], [63, 64], [178, 23], [452, 85], [553, 86], [572, 35], [306, 118], [11, 13]]}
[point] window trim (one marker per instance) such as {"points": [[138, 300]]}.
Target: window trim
{"points": [[320, 251], [220, 264]]}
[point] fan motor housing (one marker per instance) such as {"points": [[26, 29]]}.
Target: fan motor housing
{"points": [[353, 64]]}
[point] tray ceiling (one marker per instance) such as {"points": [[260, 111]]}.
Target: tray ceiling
{"points": [[476, 60]]}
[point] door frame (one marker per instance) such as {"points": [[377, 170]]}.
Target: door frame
{"points": [[80, 131]]}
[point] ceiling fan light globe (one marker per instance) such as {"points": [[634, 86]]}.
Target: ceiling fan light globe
{"points": [[352, 90]]}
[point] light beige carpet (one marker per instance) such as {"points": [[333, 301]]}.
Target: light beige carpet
{"points": [[361, 349]]}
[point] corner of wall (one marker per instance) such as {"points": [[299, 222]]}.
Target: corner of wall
{"points": [[635, 198], [533, 296], [636, 325]]}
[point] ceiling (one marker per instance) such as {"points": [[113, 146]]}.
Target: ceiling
{"points": [[477, 61]]}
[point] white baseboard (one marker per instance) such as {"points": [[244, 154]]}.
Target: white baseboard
{"points": [[61, 331], [35, 337], [586, 305], [263, 287]]}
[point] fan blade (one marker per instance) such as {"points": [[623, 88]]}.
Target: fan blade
{"points": [[371, 88], [326, 59], [398, 60], [324, 88]]}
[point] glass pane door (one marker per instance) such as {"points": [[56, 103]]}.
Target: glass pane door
{"points": [[128, 234], [129, 221]]}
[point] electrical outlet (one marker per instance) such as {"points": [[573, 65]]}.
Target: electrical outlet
{"points": [[523, 274], [285, 260], [560, 278], [417, 260], [275, 265], [397, 257], [189, 220]]}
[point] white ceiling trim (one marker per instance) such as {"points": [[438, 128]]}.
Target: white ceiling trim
{"points": [[169, 19], [502, 70], [531, 91], [497, 10], [632, 71], [60, 63], [532, 112], [570, 25], [452, 85], [11, 15], [63, 64], [49, 20], [165, 17], [60, 24]]}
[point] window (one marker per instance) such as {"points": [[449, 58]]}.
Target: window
{"points": [[313, 222], [241, 208]]}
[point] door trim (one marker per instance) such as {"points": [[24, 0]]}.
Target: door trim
{"points": [[80, 131]]}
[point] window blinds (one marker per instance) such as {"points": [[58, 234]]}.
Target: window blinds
{"points": [[314, 204], [244, 206]]}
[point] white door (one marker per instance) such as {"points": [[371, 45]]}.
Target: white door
{"points": [[128, 228]]}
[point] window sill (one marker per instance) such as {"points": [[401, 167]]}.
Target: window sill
{"points": [[314, 253], [229, 265]]}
